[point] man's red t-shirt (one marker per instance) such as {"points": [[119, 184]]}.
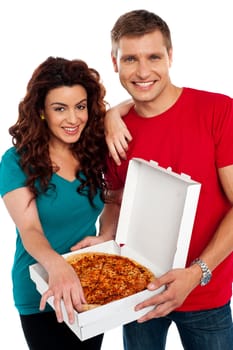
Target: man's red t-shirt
{"points": [[195, 137]]}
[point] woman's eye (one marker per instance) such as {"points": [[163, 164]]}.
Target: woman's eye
{"points": [[81, 107], [59, 109]]}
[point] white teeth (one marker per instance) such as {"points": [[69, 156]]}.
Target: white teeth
{"points": [[144, 84], [70, 129]]}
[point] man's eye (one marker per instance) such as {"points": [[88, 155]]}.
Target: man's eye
{"points": [[154, 57], [130, 59]]}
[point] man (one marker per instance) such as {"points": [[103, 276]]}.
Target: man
{"points": [[191, 131]]}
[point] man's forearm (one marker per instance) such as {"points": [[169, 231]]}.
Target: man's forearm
{"points": [[108, 220]]}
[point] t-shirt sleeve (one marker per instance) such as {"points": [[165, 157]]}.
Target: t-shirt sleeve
{"points": [[11, 174], [223, 132], [111, 176]]}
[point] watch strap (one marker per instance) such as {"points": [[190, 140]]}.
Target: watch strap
{"points": [[206, 273]]}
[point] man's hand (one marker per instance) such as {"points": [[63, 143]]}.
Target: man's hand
{"points": [[116, 133], [88, 242], [179, 283]]}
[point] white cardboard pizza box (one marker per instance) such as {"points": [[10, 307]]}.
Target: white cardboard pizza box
{"points": [[155, 226]]}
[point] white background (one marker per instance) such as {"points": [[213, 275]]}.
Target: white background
{"points": [[31, 30]]}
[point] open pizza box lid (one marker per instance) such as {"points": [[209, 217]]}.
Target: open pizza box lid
{"points": [[155, 226]]}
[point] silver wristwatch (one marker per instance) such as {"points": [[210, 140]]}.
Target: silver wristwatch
{"points": [[206, 273]]}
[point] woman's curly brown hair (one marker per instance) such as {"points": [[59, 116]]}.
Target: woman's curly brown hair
{"points": [[30, 135]]}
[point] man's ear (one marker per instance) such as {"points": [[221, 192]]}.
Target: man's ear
{"points": [[170, 55], [114, 62]]}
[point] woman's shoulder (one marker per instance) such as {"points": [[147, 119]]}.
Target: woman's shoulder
{"points": [[10, 153], [11, 174]]}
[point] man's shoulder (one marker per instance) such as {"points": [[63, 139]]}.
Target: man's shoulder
{"points": [[212, 95]]}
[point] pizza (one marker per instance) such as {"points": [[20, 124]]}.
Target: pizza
{"points": [[107, 277]]}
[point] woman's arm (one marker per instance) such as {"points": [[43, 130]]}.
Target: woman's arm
{"points": [[63, 281], [116, 133]]}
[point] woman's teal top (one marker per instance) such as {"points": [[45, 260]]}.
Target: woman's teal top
{"points": [[66, 217]]}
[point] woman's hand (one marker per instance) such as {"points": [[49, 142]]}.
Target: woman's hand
{"points": [[64, 285]]}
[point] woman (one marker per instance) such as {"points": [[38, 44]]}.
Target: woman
{"points": [[52, 184]]}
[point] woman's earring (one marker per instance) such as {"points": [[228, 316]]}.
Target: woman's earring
{"points": [[42, 117]]}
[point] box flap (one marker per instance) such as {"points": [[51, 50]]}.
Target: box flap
{"points": [[157, 213]]}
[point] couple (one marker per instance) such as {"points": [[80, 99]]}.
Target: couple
{"points": [[52, 184]]}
